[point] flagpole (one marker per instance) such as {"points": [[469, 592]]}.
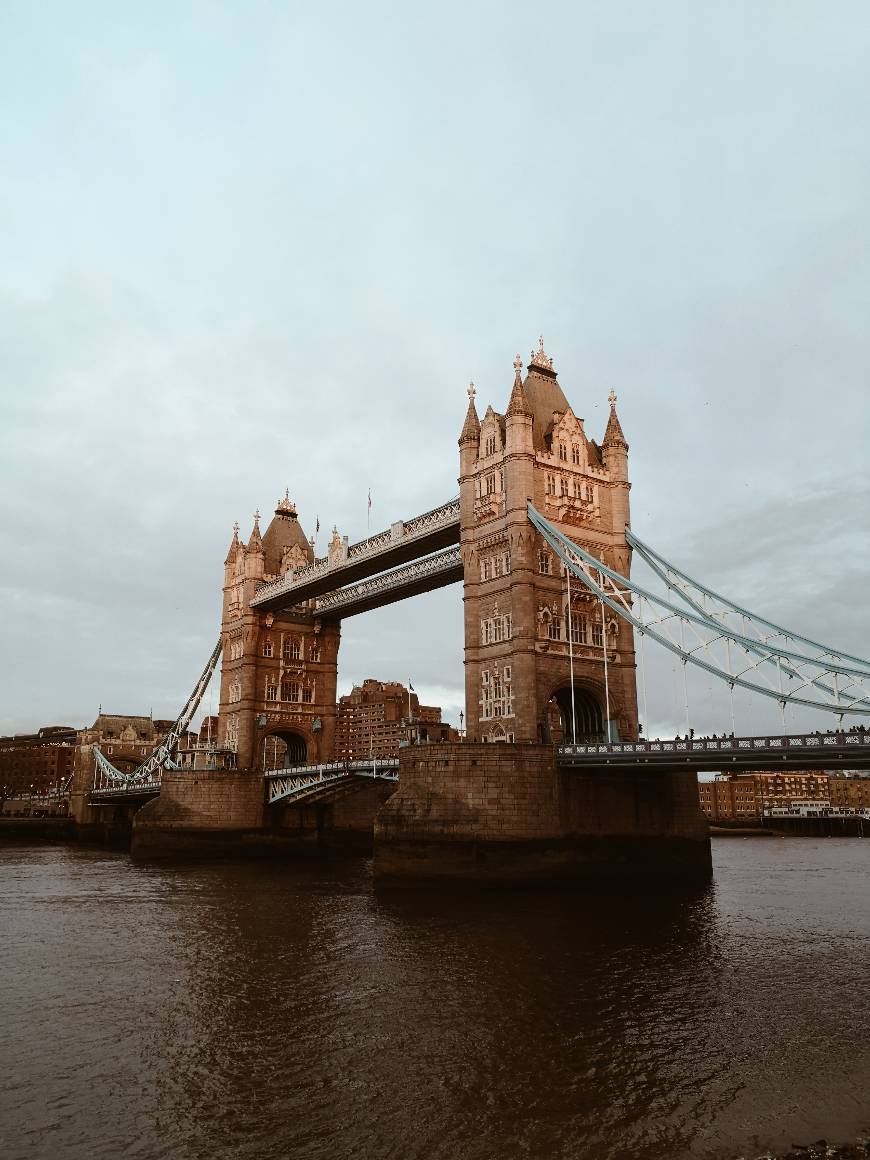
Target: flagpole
{"points": [[571, 654]]}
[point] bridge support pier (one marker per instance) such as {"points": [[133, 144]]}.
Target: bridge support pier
{"points": [[198, 814], [507, 812]]}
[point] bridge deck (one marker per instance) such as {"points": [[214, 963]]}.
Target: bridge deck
{"points": [[728, 754]]}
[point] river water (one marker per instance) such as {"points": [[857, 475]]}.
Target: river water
{"points": [[242, 1011]]}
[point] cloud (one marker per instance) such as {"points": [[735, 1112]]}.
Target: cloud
{"points": [[241, 257]]}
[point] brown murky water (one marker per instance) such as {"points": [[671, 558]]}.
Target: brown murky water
{"points": [[247, 1011]]}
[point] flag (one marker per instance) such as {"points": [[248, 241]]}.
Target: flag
{"points": [[370, 499], [317, 528], [410, 686]]}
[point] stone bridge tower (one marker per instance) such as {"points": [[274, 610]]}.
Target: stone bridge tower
{"points": [[278, 671], [517, 673]]}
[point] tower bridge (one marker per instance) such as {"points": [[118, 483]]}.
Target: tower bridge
{"points": [[540, 539]]}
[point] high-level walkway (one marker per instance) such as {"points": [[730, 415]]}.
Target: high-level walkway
{"points": [[403, 542]]}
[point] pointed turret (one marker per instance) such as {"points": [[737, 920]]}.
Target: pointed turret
{"points": [[543, 393], [284, 543], [613, 436], [255, 543], [614, 450], [234, 545], [518, 404], [471, 427], [519, 419]]}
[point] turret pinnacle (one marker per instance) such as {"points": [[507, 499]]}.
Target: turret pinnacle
{"points": [[255, 544], [471, 427], [613, 436], [518, 404], [234, 545]]}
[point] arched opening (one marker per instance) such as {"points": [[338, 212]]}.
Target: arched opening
{"points": [[124, 764], [587, 716], [284, 748]]}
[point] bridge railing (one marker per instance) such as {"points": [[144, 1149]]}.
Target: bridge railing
{"points": [[800, 741], [308, 780], [117, 792], [329, 767]]}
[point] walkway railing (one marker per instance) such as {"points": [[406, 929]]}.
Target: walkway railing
{"points": [[795, 749], [132, 791], [799, 741], [399, 533]]}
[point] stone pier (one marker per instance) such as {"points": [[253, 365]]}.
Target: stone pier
{"points": [[223, 814], [203, 813], [507, 813]]}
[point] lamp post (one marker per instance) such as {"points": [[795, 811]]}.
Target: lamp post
{"points": [[461, 721]]}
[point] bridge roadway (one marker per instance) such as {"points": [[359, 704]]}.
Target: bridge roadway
{"points": [[727, 754], [792, 751], [402, 542]]}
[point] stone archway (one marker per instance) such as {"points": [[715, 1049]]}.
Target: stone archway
{"points": [[283, 748], [588, 716]]}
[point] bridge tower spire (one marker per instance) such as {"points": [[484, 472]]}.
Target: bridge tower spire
{"points": [[517, 675]]}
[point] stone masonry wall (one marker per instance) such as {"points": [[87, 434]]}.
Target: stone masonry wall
{"points": [[194, 812], [504, 811]]}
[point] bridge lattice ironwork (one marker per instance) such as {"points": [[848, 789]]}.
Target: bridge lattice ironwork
{"points": [[736, 646], [108, 778], [306, 781]]}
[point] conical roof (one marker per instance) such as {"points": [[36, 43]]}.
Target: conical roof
{"points": [[283, 532], [613, 436], [518, 404], [255, 543], [234, 545], [471, 427]]}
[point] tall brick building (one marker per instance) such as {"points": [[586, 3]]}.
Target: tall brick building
{"points": [[376, 717], [39, 760], [517, 683]]}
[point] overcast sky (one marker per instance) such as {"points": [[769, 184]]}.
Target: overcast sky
{"points": [[252, 246]]}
